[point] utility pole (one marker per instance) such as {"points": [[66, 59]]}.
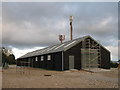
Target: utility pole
{"points": [[71, 28]]}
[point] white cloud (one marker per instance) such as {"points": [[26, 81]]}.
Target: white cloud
{"points": [[106, 21], [114, 52], [19, 52]]}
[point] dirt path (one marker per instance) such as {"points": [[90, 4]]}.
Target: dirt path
{"points": [[34, 78]]}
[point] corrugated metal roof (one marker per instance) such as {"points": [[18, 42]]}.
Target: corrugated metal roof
{"points": [[56, 48]]}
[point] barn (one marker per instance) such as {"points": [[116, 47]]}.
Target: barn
{"points": [[80, 53]]}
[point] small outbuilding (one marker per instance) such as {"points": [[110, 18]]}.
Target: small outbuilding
{"points": [[81, 53]]}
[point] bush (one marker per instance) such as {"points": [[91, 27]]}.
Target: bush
{"points": [[114, 65]]}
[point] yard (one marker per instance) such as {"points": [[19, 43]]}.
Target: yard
{"points": [[40, 78]]}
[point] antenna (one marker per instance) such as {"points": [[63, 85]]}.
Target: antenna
{"points": [[61, 38], [71, 28]]}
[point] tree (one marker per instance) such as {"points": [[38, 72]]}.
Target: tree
{"points": [[11, 59], [7, 57], [114, 64]]}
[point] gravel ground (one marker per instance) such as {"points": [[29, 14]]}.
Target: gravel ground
{"points": [[39, 78]]}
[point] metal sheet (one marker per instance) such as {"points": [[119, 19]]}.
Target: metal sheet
{"points": [[71, 62]]}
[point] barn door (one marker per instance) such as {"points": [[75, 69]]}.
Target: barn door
{"points": [[71, 62]]}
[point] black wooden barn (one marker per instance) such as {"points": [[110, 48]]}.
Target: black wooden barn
{"points": [[81, 53]]}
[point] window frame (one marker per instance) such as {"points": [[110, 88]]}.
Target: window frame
{"points": [[48, 57], [36, 59], [42, 58]]}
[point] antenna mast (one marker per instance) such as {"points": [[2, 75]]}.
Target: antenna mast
{"points": [[71, 28]]}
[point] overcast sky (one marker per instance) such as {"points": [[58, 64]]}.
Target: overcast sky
{"points": [[28, 26]]}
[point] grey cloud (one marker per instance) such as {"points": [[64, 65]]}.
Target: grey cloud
{"points": [[39, 24]]}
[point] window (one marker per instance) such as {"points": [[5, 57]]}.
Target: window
{"points": [[42, 58], [49, 57], [36, 59], [29, 59]]}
